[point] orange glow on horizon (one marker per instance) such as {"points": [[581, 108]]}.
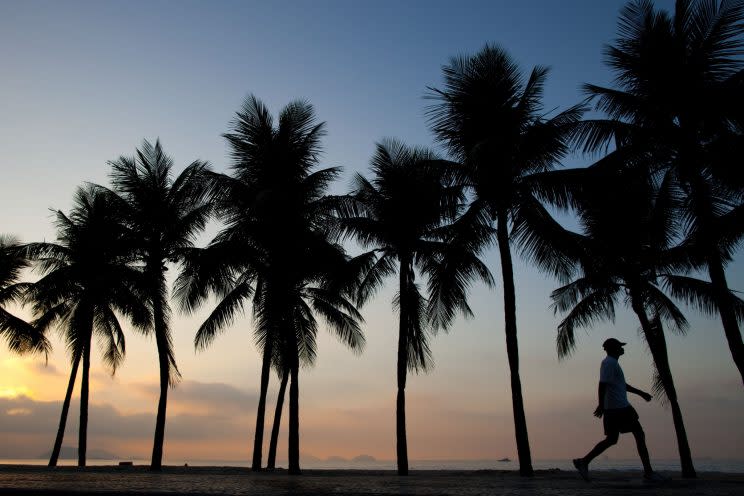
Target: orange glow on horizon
{"points": [[15, 392]]}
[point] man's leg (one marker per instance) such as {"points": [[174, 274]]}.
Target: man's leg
{"points": [[582, 464], [610, 440], [640, 438]]}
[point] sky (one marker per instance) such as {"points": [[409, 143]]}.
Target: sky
{"points": [[82, 83]]}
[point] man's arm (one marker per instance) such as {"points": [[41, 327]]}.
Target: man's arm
{"points": [[600, 404], [640, 393]]}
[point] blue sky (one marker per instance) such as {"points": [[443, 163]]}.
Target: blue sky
{"points": [[84, 82]]}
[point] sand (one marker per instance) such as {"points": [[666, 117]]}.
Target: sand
{"points": [[137, 480]]}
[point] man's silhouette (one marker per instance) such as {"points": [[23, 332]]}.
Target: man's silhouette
{"points": [[619, 416]]}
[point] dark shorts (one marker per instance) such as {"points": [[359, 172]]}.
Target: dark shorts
{"points": [[617, 420]]}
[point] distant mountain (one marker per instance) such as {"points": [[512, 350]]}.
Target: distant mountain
{"points": [[364, 458], [307, 457], [67, 453], [336, 459]]}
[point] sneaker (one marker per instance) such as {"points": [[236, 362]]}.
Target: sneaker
{"points": [[582, 467], [654, 477]]}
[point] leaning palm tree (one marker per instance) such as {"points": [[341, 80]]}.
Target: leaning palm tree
{"points": [[167, 213], [626, 251], [274, 439], [492, 122], [406, 215], [283, 372], [20, 336], [679, 81], [275, 250], [87, 279]]}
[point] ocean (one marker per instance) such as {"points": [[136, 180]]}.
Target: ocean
{"points": [[701, 465]]}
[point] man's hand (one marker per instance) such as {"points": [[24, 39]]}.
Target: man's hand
{"points": [[599, 411]]}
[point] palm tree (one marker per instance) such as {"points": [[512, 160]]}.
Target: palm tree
{"points": [[166, 213], [87, 279], [626, 250], [679, 81], [20, 336], [275, 250], [405, 216], [491, 121]]}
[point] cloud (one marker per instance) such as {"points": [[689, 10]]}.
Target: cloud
{"points": [[39, 415], [216, 420], [44, 369], [202, 397], [225, 415]]}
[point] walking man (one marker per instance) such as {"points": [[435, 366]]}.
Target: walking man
{"points": [[619, 416]]}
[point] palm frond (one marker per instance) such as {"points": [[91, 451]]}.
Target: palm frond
{"points": [[596, 306], [223, 315], [666, 310], [108, 328], [305, 330], [341, 315], [382, 267], [414, 330], [544, 242], [448, 281], [701, 295], [22, 337]]}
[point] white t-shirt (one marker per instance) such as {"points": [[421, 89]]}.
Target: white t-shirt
{"points": [[610, 373]]}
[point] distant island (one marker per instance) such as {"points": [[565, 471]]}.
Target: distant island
{"points": [[364, 458], [67, 453], [358, 458]]}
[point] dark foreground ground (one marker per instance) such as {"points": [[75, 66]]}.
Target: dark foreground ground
{"points": [[192, 481]]}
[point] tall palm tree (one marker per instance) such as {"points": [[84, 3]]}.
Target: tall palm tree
{"points": [[626, 251], [679, 81], [20, 336], [492, 122], [276, 250], [87, 279], [405, 215], [166, 213]]}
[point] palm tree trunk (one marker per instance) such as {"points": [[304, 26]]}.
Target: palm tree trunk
{"points": [[159, 438], [701, 196], [84, 394], [65, 409], [294, 417], [725, 308], [261, 412], [512, 346], [400, 412], [271, 462], [403, 332], [657, 344], [164, 360]]}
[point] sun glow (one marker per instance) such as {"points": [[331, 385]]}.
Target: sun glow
{"points": [[15, 392], [19, 411]]}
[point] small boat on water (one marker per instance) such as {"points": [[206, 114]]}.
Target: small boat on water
{"points": [[503, 460]]}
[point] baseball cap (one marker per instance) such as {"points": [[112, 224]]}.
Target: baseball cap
{"points": [[612, 343]]}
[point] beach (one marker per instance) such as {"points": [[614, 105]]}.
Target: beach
{"points": [[138, 480]]}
